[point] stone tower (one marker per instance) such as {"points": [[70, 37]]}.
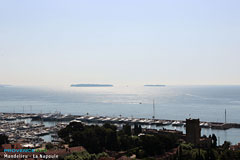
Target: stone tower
{"points": [[193, 131]]}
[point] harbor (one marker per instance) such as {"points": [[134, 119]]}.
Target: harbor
{"points": [[35, 129], [58, 117]]}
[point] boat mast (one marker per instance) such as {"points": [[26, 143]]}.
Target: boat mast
{"points": [[225, 116], [153, 110]]}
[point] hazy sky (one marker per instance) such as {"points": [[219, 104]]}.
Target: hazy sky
{"points": [[54, 42]]}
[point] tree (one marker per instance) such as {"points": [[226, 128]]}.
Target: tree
{"points": [[96, 139], [226, 145], [49, 146], [111, 139], [66, 133], [85, 156], [127, 129], [214, 141], [137, 129], [110, 126], [3, 139]]}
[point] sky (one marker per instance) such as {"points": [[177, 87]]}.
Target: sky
{"points": [[58, 43]]}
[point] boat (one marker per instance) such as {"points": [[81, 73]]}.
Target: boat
{"points": [[10, 118], [204, 125], [165, 123], [177, 123]]}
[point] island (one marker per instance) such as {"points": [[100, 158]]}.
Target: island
{"points": [[91, 85], [4, 85], [154, 85]]}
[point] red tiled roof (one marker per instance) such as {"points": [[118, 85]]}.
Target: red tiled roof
{"points": [[7, 146], [59, 152], [76, 149], [65, 151], [12, 146], [124, 158], [17, 146]]}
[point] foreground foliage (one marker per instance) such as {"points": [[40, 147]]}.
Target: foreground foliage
{"points": [[98, 139], [3, 139], [188, 152], [85, 156]]}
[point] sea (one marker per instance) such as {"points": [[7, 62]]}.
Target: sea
{"points": [[208, 103]]}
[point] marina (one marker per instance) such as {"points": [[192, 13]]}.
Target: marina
{"points": [[21, 129], [36, 129], [58, 117]]}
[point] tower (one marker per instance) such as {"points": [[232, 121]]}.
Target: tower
{"points": [[193, 131]]}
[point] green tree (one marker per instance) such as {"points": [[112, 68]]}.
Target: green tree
{"points": [[66, 133], [137, 129], [214, 141], [226, 145], [85, 156], [127, 129], [49, 146], [111, 139], [3, 139], [96, 139]]}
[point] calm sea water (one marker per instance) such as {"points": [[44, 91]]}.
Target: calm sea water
{"points": [[171, 102]]}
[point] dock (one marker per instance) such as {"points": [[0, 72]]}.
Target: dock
{"points": [[58, 117], [29, 128]]}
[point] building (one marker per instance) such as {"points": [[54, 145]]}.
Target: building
{"points": [[193, 131], [235, 147]]}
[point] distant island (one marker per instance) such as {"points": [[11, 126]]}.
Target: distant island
{"points": [[4, 85], [91, 85], [154, 85]]}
